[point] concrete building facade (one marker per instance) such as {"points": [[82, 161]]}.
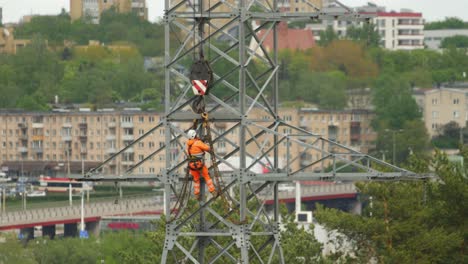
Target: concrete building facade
{"points": [[433, 38], [93, 8], [8, 43], [440, 106], [85, 138], [402, 30]]}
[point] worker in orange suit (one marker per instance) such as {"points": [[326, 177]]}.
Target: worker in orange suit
{"points": [[196, 150]]}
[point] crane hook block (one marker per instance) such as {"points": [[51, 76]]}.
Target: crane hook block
{"points": [[201, 77]]}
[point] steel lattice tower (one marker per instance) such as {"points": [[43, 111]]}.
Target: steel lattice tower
{"points": [[248, 131], [243, 103]]}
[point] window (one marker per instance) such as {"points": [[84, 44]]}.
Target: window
{"points": [[456, 101], [435, 114], [141, 119], [221, 144], [141, 132], [435, 101], [456, 114], [127, 119]]}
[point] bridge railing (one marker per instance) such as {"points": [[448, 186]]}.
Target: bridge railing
{"points": [[126, 206], [62, 203], [317, 190]]}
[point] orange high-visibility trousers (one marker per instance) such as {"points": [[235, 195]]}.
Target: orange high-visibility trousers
{"points": [[196, 179]]}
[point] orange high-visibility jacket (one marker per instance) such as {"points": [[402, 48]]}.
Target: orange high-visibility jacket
{"points": [[196, 147]]}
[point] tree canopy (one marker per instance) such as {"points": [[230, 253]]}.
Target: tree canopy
{"points": [[448, 23]]}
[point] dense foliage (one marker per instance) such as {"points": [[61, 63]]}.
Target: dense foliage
{"points": [[448, 23], [412, 222], [113, 27], [457, 41], [401, 222]]}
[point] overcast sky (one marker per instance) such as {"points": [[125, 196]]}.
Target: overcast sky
{"points": [[432, 10]]}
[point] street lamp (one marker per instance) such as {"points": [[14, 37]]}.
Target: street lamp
{"points": [[83, 232], [394, 141]]}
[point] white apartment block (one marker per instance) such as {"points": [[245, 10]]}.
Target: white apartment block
{"points": [[433, 38], [400, 30], [441, 106]]}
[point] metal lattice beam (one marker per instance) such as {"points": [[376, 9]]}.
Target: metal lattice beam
{"points": [[240, 99]]}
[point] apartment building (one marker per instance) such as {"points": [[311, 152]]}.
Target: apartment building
{"points": [[402, 30], [440, 106], [78, 137], [433, 38], [94, 8], [300, 5], [51, 142], [8, 43]]}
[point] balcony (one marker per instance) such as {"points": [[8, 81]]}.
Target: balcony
{"points": [[138, 5], [83, 137], [23, 137], [67, 125], [111, 150], [128, 137], [129, 150], [110, 137], [126, 124], [38, 150], [83, 151], [37, 125], [304, 124], [23, 149], [38, 137], [83, 125], [111, 124], [127, 162], [22, 125], [67, 138]]}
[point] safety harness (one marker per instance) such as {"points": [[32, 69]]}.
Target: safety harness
{"points": [[196, 161]]}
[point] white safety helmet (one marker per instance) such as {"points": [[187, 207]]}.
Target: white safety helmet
{"points": [[191, 134]]}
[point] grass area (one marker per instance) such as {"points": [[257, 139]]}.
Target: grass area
{"points": [[100, 192]]}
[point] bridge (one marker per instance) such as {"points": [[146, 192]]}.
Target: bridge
{"points": [[70, 216], [316, 191]]}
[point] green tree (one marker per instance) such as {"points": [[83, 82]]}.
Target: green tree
{"points": [[449, 136], [393, 102], [327, 36], [410, 222], [457, 41], [448, 23], [367, 34]]}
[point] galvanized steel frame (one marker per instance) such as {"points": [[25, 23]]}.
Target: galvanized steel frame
{"points": [[235, 110]]}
